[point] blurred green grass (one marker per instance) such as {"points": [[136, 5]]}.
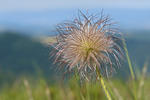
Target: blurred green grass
{"points": [[24, 89]]}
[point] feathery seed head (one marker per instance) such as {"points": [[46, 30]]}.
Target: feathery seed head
{"points": [[85, 43]]}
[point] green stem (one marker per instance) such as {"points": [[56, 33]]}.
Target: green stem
{"points": [[131, 68], [103, 84], [128, 59]]}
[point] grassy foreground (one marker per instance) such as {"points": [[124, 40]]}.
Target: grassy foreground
{"points": [[27, 89]]}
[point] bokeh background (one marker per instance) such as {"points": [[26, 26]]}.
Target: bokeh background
{"points": [[27, 26]]}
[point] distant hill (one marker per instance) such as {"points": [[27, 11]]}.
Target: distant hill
{"points": [[138, 45], [24, 56]]}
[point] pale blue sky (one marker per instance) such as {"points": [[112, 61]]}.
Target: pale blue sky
{"points": [[36, 5], [42, 15]]}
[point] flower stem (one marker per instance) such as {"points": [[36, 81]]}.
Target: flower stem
{"points": [[128, 59], [103, 84], [131, 69]]}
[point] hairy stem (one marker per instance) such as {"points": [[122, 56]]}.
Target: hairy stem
{"points": [[103, 84]]}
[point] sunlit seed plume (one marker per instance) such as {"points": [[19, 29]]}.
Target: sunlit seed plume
{"points": [[87, 42]]}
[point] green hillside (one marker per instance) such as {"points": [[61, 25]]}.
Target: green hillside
{"points": [[24, 56]]}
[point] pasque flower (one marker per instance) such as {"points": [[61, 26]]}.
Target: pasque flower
{"points": [[86, 42]]}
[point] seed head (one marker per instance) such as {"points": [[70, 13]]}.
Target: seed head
{"points": [[87, 42]]}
